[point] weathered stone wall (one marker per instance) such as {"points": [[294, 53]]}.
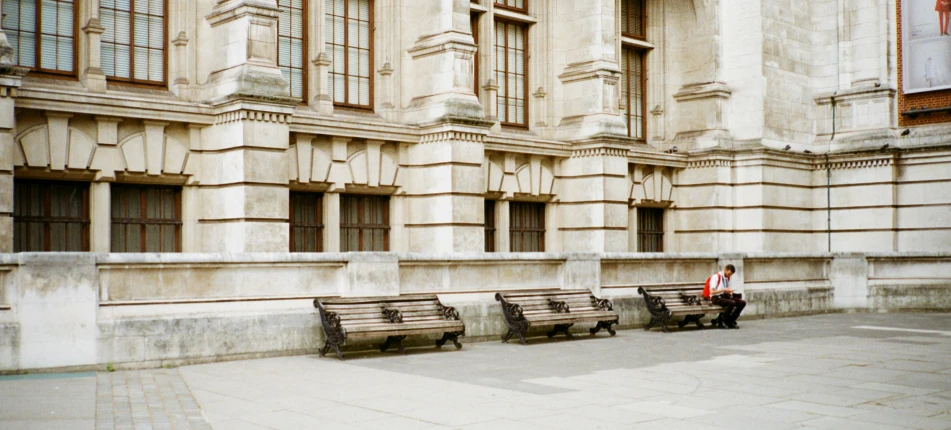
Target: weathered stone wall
{"points": [[83, 310]]}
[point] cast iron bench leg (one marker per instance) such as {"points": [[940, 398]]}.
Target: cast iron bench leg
{"points": [[449, 336], [560, 328], [507, 336], [605, 325]]}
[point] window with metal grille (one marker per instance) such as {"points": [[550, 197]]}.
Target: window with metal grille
{"points": [[632, 91], [632, 18], [511, 72], [307, 222], [50, 216], [490, 226], [349, 39], [519, 5], [133, 45], [527, 227], [650, 230], [364, 223], [146, 218], [42, 34], [291, 45]]}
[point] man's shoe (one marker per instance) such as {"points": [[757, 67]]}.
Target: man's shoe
{"points": [[732, 325]]}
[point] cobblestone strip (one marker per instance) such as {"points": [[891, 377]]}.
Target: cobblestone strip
{"points": [[146, 400]]}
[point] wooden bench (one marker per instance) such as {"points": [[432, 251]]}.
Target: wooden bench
{"points": [[393, 317], [664, 303], [560, 308]]}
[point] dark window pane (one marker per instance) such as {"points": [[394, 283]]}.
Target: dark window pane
{"points": [[632, 18], [146, 218], [364, 223], [50, 216], [348, 24], [490, 226], [306, 222], [133, 45], [650, 230], [527, 227]]}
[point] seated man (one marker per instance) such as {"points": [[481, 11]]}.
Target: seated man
{"points": [[718, 290]]}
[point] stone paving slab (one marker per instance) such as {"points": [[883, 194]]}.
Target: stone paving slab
{"points": [[817, 372]]}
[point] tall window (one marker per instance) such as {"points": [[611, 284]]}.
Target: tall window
{"points": [[511, 72], [146, 219], [42, 34], [291, 37], [527, 227], [307, 222], [632, 91], [490, 226], [519, 5], [50, 216], [349, 36], [650, 230], [474, 24], [632, 18], [133, 46], [364, 223]]}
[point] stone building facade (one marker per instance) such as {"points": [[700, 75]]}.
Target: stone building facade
{"points": [[225, 126]]}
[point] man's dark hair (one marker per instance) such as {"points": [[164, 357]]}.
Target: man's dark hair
{"points": [[730, 268]]}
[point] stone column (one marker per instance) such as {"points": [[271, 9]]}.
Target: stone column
{"points": [[100, 217], [446, 184], [245, 50], [243, 192], [502, 226], [442, 68], [594, 204], [587, 69], [318, 86], [331, 208], [10, 80]]}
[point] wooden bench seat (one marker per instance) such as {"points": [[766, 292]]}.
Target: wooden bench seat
{"points": [[393, 317], [558, 308], [664, 303]]}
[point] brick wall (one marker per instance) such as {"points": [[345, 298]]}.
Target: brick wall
{"points": [[919, 100]]}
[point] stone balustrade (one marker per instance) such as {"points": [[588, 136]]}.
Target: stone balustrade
{"points": [[61, 310]]}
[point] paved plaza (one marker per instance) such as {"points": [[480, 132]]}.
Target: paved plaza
{"points": [[865, 371]]}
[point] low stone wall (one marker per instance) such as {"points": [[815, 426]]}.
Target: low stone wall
{"points": [[61, 310]]}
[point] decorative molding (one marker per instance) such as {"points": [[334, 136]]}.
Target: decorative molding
{"points": [[703, 164], [599, 152], [855, 164], [703, 90], [249, 115], [446, 136]]}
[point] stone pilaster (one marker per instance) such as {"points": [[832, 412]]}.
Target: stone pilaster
{"points": [[441, 70], [90, 66], [445, 188], [594, 205], [589, 77], [10, 80], [245, 44], [243, 192]]}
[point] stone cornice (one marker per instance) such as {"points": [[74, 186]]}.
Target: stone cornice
{"points": [[449, 41], [703, 90], [853, 94], [590, 69], [229, 10]]}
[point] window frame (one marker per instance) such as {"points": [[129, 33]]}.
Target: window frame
{"points": [[625, 66], [643, 234], [47, 219], [362, 226], [626, 20], [304, 46], [39, 43], [144, 221], [319, 226], [501, 4], [165, 42], [346, 62], [514, 212], [525, 71]]}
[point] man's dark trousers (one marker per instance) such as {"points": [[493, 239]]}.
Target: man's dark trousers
{"points": [[733, 307]]}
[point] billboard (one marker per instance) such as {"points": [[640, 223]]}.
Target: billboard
{"points": [[926, 45]]}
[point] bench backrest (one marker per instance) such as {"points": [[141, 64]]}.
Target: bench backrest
{"points": [[370, 310], [678, 295], [538, 301]]}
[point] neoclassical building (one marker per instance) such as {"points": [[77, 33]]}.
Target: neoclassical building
{"points": [[455, 126]]}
